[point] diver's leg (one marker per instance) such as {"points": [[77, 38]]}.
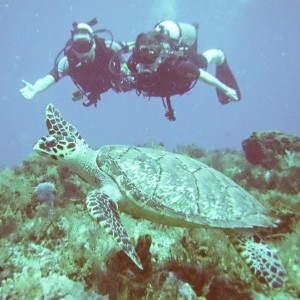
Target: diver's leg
{"points": [[214, 56], [224, 75]]}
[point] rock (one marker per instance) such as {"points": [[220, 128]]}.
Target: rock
{"points": [[268, 149]]}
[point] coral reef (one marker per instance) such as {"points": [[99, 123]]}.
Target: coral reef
{"points": [[278, 157], [61, 253]]}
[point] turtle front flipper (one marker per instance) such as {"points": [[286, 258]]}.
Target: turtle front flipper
{"points": [[262, 260], [105, 211]]}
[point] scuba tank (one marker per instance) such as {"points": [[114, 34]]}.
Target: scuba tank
{"points": [[183, 33]]}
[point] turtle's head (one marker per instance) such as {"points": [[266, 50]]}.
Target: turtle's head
{"points": [[63, 141]]}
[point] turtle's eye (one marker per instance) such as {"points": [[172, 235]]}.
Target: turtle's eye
{"points": [[51, 141]]}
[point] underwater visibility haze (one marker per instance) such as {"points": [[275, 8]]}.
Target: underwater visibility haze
{"points": [[51, 248], [260, 40]]}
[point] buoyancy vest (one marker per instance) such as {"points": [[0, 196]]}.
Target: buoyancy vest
{"points": [[168, 80], [93, 77], [163, 67]]}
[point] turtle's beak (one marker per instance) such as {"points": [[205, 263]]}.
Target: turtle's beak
{"points": [[38, 147], [47, 146], [44, 144]]}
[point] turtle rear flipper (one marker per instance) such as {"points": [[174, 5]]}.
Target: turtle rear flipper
{"points": [[263, 261], [105, 211]]}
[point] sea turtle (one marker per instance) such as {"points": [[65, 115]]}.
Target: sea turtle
{"points": [[163, 187]]}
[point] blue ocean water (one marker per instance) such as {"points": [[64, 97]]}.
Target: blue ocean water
{"points": [[260, 39]]}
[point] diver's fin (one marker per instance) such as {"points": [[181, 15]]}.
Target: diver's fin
{"points": [[224, 74]]}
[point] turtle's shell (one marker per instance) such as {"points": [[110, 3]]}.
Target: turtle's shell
{"points": [[180, 187]]}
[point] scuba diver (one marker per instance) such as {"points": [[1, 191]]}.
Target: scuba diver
{"points": [[165, 62], [94, 64]]}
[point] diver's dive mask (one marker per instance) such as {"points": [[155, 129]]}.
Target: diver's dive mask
{"points": [[82, 46], [146, 55], [148, 47]]}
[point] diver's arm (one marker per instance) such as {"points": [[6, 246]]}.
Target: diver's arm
{"points": [[30, 90], [212, 80], [117, 46]]}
